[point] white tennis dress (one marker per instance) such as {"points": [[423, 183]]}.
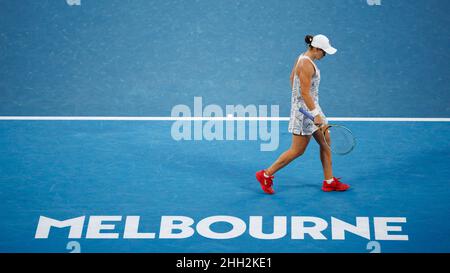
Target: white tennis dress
{"points": [[298, 123]]}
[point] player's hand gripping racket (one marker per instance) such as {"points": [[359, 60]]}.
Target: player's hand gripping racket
{"points": [[341, 141]]}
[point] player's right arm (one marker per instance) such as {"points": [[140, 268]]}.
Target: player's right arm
{"points": [[305, 73]]}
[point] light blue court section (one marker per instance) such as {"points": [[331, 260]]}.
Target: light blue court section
{"points": [[140, 57], [66, 169]]}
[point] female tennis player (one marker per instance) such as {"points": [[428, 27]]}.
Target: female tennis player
{"points": [[305, 79]]}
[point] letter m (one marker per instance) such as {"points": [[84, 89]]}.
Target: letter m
{"points": [[45, 223]]}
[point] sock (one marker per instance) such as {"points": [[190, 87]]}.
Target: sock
{"points": [[265, 175], [329, 181]]}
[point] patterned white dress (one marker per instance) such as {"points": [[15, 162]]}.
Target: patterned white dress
{"points": [[298, 123]]}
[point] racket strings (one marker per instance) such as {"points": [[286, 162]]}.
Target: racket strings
{"points": [[341, 140]]}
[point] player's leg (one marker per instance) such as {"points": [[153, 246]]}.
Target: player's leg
{"points": [[325, 153], [330, 183], [298, 147]]}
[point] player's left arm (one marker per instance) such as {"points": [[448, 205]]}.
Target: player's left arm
{"points": [[293, 74]]}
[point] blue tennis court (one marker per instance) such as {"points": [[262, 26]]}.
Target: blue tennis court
{"points": [[91, 155]]}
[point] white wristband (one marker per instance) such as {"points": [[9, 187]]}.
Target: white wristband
{"points": [[315, 112]]}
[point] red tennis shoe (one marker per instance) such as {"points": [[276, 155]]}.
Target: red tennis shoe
{"points": [[266, 182], [336, 185]]}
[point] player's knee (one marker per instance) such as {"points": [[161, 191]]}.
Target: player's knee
{"points": [[297, 152]]}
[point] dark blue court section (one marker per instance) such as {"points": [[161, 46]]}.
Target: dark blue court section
{"points": [[139, 58], [64, 170]]}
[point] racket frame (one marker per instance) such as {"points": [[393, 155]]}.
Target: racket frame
{"points": [[325, 128]]}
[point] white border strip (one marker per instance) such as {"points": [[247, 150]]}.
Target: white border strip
{"points": [[229, 118]]}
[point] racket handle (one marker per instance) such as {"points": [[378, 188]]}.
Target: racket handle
{"points": [[307, 114]]}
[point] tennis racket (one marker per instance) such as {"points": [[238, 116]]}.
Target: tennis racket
{"points": [[341, 141]]}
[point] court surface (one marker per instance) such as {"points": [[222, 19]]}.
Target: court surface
{"points": [[135, 62]]}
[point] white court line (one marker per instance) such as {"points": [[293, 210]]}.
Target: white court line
{"points": [[215, 118]]}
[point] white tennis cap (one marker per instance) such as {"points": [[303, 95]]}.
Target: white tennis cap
{"points": [[322, 42]]}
